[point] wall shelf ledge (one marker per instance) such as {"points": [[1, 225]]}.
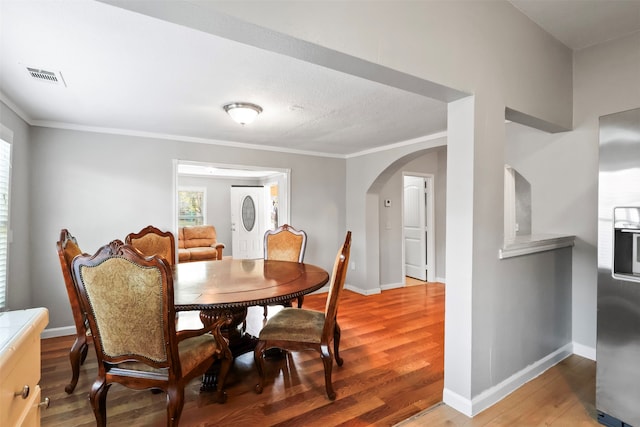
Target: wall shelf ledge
{"points": [[534, 243]]}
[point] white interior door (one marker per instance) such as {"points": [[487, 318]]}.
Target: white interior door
{"points": [[418, 233], [247, 222], [415, 247]]}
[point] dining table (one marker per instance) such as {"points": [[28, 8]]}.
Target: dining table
{"points": [[228, 287]]}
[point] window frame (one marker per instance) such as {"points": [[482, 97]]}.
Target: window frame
{"points": [[203, 207], [6, 137]]}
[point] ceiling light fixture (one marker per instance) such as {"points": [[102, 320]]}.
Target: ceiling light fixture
{"points": [[243, 112]]}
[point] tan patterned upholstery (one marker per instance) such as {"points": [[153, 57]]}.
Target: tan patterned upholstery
{"points": [[129, 300], [301, 329], [68, 249], [285, 243], [126, 300], [153, 241], [308, 325]]}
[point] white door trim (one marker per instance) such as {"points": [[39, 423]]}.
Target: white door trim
{"points": [[430, 220]]}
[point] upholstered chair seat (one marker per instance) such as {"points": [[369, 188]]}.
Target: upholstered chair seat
{"points": [[192, 352], [300, 329], [293, 324]]}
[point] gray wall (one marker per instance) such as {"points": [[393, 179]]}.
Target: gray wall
{"points": [[605, 82], [563, 168], [433, 162], [102, 187]]}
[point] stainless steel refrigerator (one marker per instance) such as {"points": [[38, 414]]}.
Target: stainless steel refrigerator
{"points": [[618, 344]]}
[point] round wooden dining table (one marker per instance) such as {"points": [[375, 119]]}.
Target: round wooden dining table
{"points": [[226, 288]]}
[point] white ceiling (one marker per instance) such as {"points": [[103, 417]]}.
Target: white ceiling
{"points": [[130, 73]]}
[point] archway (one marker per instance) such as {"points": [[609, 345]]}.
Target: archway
{"points": [[388, 186]]}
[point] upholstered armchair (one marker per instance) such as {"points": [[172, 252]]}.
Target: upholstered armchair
{"points": [[153, 241], [300, 329], [68, 248], [285, 243], [198, 243], [129, 300]]}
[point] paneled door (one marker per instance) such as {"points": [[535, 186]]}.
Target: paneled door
{"points": [[247, 222], [418, 227]]}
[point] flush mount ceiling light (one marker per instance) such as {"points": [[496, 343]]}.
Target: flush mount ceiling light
{"points": [[243, 112]]}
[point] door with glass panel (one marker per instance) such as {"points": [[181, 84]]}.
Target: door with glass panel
{"points": [[247, 221]]}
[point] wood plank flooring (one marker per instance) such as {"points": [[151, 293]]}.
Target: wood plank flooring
{"points": [[392, 345], [563, 396]]}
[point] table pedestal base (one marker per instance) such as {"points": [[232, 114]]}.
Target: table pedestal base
{"points": [[240, 341]]}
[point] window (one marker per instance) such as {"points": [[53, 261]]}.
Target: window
{"points": [[6, 137], [192, 204]]}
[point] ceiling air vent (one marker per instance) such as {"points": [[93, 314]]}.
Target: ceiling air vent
{"points": [[46, 76]]}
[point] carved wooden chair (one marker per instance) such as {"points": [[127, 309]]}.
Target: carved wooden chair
{"points": [[285, 243], [301, 329], [129, 300], [67, 249], [153, 241]]}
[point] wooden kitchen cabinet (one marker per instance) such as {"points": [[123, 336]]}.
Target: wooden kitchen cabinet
{"points": [[20, 366]]}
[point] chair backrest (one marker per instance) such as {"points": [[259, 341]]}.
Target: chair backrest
{"points": [[285, 243], [335, 287], [129, 300], [153, 241], [67, 249]]}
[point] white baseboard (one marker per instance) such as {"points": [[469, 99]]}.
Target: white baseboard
{"points": [[441, 280], [58, 332], [584, 351], [498, 392], [391, 286], [362, 291]]}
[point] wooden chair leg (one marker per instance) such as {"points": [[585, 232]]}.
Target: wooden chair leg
{"points": [[98, 399], [258, 357], [264, 311], [327, 361], [77, 354], [83, 352], [175, 403], [225, 364], [300, 300]]}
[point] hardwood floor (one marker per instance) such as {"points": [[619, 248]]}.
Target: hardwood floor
{"points": [[392, 345], [563, 396]]}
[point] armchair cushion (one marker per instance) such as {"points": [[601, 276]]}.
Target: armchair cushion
{"points": [[181, 238], [202, 254], [199, 236]]}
